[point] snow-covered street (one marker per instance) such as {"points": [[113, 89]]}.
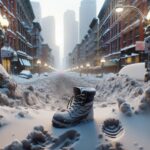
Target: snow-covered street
{"points": [[117, 96]]}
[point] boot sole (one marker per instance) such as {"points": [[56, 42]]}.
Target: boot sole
{"points": [[59, 124]]}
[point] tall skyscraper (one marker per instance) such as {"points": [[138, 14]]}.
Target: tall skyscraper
{"points": [[49, 34], [37, 10], [70, 32], [48, 30], [86, 14]]}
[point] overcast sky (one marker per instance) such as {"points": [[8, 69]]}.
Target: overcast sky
{"points": [[56, 8]]}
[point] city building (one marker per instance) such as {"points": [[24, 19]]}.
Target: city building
{"points": [[37, 44], [46, 56], [86, 13], [86, 52], [119, 33], [74, 57], [48, 30], [70, 32], [82, 52], [21, 43], [8, 38], [24, 18], [56, 55], [37, 11], [92, 43], [49, 35]]}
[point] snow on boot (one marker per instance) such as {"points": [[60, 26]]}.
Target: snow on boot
{"points": [[80, 108]]}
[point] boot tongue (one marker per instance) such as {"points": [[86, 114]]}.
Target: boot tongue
{"points": [[89, 94], [77, 90], [87, 90]]}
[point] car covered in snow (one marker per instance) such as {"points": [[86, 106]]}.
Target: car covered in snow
{"points": [[136, 71], [25, 74], [45, 74]]}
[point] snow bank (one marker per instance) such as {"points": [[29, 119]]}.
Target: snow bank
{"points": [[118, 87], [3, 71], [40, 139], [117, 97], [136, 71]]}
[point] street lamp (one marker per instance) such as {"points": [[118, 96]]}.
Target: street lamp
{"points": [[120, 8], [4, 24], [39, 63], [102, 65], [81, 67], [45, 65], [148, 16], [88, 66], [50, 67]]}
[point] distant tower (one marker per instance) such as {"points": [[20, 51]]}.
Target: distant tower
{"points": [[49, 34], [48, 30], [37, 11], [70, 32], [87, 13]]}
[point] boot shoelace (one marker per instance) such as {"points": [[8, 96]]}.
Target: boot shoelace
{"points": [[76, 100], [76, 107]]}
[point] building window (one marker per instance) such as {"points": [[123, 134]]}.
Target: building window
{"points": [[9, 5], [125, 40], [137, 33], [130, 37]]}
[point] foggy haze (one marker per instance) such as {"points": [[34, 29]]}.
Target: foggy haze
{"points": [[57, 9]]}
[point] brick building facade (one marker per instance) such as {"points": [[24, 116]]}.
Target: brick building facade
{"points": [[118, 33], [22, 40], [24, 17], [8, 39], [86, 51], [37, 44], [46, 56]]}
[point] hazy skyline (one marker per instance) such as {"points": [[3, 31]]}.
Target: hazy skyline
{"points": [[87, 12], [57, 8], [71, 33]]}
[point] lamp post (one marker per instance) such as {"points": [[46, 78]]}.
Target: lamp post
{"points": [[102, 65], [39, 63], [88, 66], [4, 24], [120, 8], [146, 21], [81, 67], [45, 65]]}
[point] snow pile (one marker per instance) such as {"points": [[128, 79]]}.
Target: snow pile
{"points": [[3, 72], [124, 107], [7, 88], [40, 139], [110, 146], [145, 101], [136, 71], [117, 97], [117, 87], [33, 140], [3, 121]]}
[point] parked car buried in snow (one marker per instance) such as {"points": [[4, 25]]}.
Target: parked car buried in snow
{"points": [[45, 74], [25, 74]]}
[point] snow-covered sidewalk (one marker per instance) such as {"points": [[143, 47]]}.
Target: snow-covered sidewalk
{"points": [[119, 97]]}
